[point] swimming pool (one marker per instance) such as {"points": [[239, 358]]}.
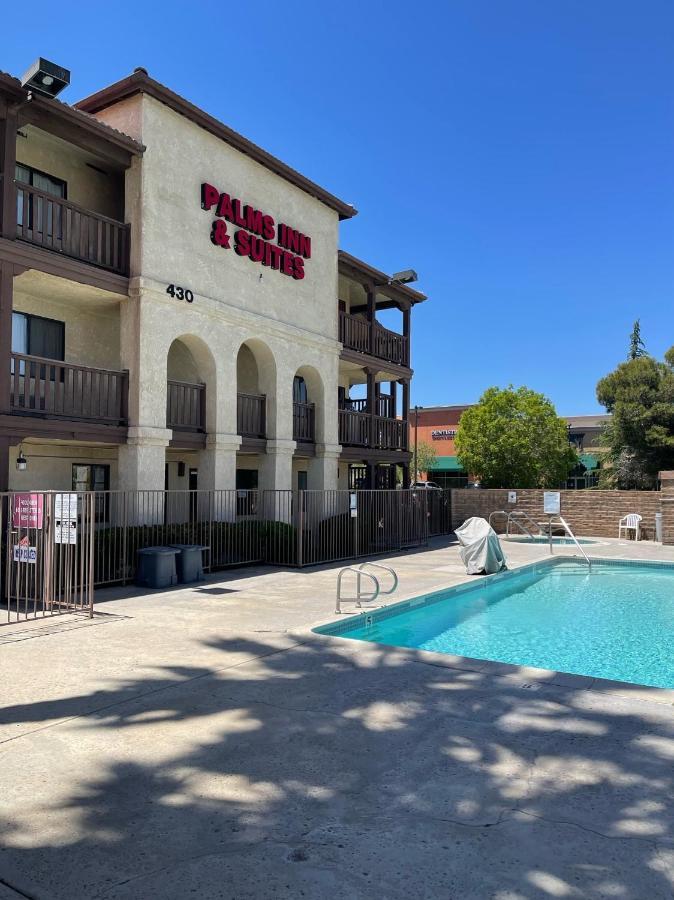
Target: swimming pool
{"points": [[615, 622]]}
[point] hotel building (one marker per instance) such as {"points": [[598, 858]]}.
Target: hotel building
{"points": [[175, 312]]}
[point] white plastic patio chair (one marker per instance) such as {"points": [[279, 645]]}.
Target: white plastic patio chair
{"points": [[630, 522]]}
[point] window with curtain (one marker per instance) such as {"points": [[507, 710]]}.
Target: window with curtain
{"points": [[37, 336], [31, 210]]}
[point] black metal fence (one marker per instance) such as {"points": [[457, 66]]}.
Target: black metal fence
{"points": [[242, 527], [56, 546]]}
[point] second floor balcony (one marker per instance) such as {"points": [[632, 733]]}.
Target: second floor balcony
{"points": [[57, 224], [50, 389], [359, 429]]}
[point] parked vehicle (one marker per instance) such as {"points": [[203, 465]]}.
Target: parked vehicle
{"points": [[425, 486]]}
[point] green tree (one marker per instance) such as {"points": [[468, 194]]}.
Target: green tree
{"points": [[514, 438], [639, 439], [426, 456], [637, 346]]}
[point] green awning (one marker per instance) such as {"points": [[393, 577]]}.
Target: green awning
{"points": [[446, 464], [589, 460]]}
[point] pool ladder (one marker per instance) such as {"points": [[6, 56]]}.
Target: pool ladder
{"points": [[360, 572]]}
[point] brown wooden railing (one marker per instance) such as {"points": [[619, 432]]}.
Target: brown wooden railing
{"points": [[354, 428], [383, 405], [390, 434], [53, 389], [251, 415], [185, 406], [354, 333], [304, 419], [72, 230], [390, 346], [358, 429]]}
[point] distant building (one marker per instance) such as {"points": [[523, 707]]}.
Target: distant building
{"points": [[437, 426]]}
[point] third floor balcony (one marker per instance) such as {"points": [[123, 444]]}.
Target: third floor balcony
{"points": [[57, 224], [357, 333]]}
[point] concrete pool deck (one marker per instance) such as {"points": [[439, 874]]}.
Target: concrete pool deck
{"points": [[203, 742]]}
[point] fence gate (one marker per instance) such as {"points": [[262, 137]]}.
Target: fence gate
{"points": [[46, 554]]}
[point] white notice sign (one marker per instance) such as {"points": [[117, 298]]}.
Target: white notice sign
{"points": [[65, 532], [65, 507], [552, 503], [353, 504], [512, 496]]}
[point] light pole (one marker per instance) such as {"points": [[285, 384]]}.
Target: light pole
{"points": [[416, 441]]}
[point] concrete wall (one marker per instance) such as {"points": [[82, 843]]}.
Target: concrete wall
{"points": [[591, 513]]}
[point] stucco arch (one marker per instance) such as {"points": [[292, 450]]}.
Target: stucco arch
{"points": [[257, 373], [190, 359], [316, 395]]}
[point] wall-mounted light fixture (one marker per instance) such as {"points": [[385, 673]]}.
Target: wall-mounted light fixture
{"points": [[21, 461]]}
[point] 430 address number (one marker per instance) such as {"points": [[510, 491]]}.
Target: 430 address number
{"points": [[180, 293]]}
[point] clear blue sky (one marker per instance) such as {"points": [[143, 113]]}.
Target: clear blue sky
{"points": [[518, 153]]}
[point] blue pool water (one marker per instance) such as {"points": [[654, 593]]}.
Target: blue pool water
{"points": [[616, 622]]}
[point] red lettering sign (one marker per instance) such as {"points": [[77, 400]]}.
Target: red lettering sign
{"points": [[27, 510], [287, 255]]}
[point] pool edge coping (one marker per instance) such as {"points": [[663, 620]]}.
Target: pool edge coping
{"points": [[495, 668]]}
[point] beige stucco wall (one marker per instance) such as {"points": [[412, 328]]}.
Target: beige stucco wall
{"points": [[91, 325], [100, 190], [50, 465], [287, 325]]}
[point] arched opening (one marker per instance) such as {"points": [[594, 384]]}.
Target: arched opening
{"points": [[308, 406], [191, 385], [191, 410], [255, 389], [255, 417]]}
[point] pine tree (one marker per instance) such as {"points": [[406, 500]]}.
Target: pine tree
{"points": [[637, 346]]}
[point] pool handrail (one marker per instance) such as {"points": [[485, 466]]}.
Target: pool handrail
{"points": [[567, 528], [359, 595], [388, 569]]}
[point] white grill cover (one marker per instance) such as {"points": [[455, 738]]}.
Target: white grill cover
{"points": [[480, 547]]}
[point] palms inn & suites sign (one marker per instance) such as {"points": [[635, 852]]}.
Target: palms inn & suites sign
{"points": [[253, 233]]}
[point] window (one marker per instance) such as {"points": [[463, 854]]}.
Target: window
{"points": [[35, 212], [37, 336], [300, 390], [302, 478], [57, 187], [94, 478], [246, 492]]}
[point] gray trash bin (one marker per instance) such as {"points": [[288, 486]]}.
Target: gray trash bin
{"points": [[658, 527], [190, 562], [157, 567]]}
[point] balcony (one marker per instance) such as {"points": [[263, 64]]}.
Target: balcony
{"points": [[356, 333], [358, 429], [186, 406], [56, 224], [51, 389], [251, 416], [304, 422]]}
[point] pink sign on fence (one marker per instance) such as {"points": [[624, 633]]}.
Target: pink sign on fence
{"points": [[27, 510]]}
